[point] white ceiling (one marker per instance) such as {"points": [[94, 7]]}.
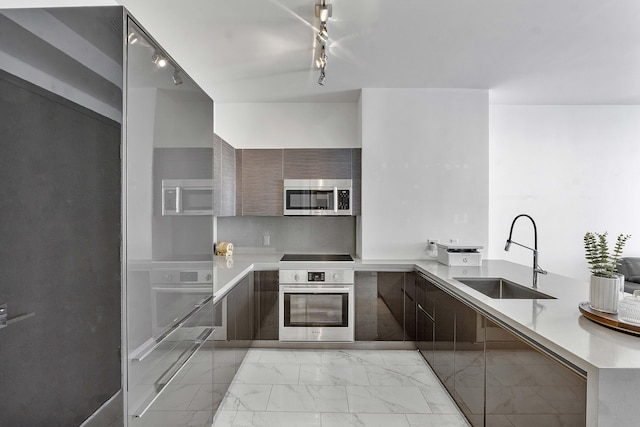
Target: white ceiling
{"points": [[523, 51]]}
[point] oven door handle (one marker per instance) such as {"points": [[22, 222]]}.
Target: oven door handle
{"points": [[307, 290], [205, 289]]}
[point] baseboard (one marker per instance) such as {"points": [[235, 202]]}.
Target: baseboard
{"points": [[110, 414]]}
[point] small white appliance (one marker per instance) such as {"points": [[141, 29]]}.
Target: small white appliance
{"points": [[457, 255]]}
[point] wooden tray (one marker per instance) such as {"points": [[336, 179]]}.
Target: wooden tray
{"points": [[609, 320]]}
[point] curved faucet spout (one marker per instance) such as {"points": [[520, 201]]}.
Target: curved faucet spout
{"points": [[536, 268]]}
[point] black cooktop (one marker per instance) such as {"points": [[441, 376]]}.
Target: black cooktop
{"points": [[317, 258]]}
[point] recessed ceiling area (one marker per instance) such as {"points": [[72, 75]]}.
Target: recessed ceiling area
{"points": [[522, 51]]}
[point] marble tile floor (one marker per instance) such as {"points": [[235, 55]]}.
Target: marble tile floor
{"points": [[327, 388]]}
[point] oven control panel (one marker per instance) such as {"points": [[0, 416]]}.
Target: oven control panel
{"points": [[315, 276], [174, 276], [337, 275]]}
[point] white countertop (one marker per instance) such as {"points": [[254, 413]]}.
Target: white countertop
{"points": [[554, 323]]}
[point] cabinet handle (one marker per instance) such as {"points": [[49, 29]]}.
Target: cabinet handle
{"points": [[178, 200], [4, 316], [335, 199], [199, 342], [425, 313], [199, 306]]}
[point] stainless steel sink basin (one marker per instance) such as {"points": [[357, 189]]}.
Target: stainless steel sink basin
{"points": [[499, 288]]}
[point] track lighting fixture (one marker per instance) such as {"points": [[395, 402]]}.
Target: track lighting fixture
{"points": [[323, 36], [321, 62], [159, 60], [132, 38], [177, 80], [322, 77], [323, 12]]}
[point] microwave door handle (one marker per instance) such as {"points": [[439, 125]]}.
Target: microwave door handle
{"points": [[335, 199], [178, 200]]}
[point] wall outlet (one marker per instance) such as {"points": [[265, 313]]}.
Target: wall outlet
{"points": [[432, 247]]}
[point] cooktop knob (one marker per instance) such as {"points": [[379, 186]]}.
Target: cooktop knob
{"points": [[296, 277], [169, 277], [335, 275]]}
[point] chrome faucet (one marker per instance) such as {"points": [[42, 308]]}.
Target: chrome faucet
{"points": [[536, 267]]}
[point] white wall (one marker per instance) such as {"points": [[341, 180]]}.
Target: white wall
{"points": [[573, 169], [424, 169], [288, 125]]}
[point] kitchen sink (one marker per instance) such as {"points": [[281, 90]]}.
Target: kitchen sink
{"points": [[499, 288]]}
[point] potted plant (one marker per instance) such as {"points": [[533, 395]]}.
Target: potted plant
{"points": [[605, 282]]}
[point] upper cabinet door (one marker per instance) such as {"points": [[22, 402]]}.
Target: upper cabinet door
{"points": [[224, 177], [317, 163], [262, 192], [228, 171], [356, 176]]}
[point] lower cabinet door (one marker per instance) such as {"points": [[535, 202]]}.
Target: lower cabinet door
{"points": [[525, 386], [425, 329], [444, 344], [469, 362]]}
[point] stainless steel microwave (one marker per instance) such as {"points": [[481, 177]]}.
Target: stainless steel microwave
{"points": [[187, 197], [318, 197]]}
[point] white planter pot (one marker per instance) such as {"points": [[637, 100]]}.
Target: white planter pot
{"points": [[604, 293]]}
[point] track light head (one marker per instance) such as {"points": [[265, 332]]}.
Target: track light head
{"points": [[177, 80], [324, 11], [322, 78], [132, 38], [160, 61]]}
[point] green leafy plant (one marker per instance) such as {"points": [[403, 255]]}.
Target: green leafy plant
{"points": [[601, 262]]}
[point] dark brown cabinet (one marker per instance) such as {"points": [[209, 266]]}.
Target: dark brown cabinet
{"points": [[266, 287], [495, 376], [259, 174], [224, 178], [385, 306], [317, 163], [377, 297], [261, 180], [526, 386], [425, 322], [239, 327], [409, 290], [444, 338], [469, 362], [391, 292]]}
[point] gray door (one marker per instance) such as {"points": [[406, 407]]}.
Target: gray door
{"points": [[59, 257]]}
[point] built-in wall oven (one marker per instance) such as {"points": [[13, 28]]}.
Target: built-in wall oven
{"points": [[318, 197], [316, 305], [187, 197], [177, 291]]}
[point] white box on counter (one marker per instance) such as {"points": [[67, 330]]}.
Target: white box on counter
{"points": [[457, 255]]}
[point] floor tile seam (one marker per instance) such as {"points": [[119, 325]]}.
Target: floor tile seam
{"points": [[194, 396]]}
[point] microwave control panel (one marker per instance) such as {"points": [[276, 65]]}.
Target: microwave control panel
{"points": [[343, 200]]}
